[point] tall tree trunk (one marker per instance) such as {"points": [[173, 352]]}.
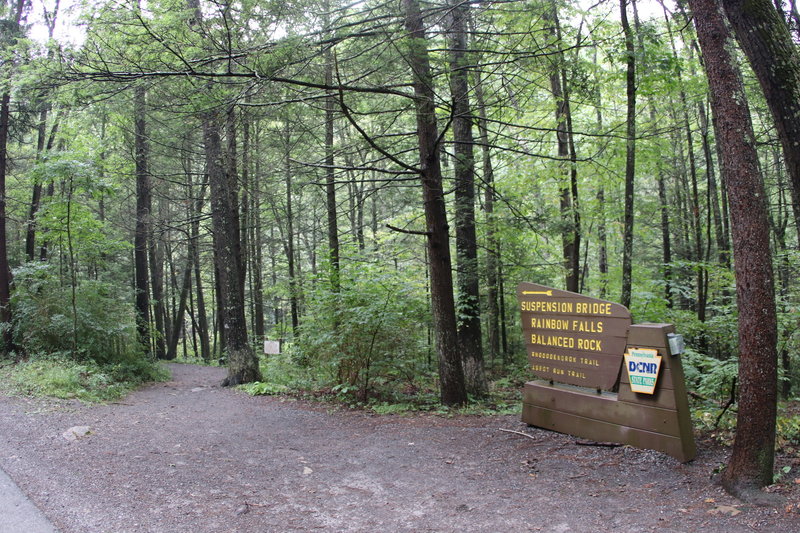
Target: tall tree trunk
{"points": [[156, 260], [177, 322], [232, 175], [492, 246], [277, 311], [751, 463], [246, 234], [765, 39], [256, 269], [330, 183], [469, 324], [143, 208], [289, 242], [666, 245], [451, 373], [630, 158], [242, 360], [5, 269], [779, 223], [570, 233], [602, 232], [202, 315]]}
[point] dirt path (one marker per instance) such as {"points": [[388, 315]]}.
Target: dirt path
{"points": [[188, 455]]}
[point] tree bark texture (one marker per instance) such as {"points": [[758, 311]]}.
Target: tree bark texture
{"points": [[5, 269], [289, 238], [451, 374], [570, 233], [469, 315], [630, 158], [256, 241], [751, 463], [330, 184], [242, 360], [765, 39], [143, 207]]}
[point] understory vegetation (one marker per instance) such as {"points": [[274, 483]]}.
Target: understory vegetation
{"points": [[74, 342]]}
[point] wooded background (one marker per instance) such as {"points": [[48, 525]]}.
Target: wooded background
{"points": [[370, 181]]}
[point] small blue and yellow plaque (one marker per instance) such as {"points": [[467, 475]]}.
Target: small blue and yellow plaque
{"points": [[643, 365]]}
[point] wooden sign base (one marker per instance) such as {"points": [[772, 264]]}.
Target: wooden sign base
{"points": [[660, 421]]}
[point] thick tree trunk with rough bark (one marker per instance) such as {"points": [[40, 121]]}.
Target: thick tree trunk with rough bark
{"points": [[451, 374], [751, 464], [242, 360], [765, 39], [469, 323]]}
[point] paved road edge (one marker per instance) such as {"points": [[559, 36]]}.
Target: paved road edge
{"points": [[19, 514]]}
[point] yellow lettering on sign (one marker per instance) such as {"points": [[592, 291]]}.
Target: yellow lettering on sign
{"points": [[553, 340], [554, 357], [547, 307], [593, 308], [594, 345], [587, 326], [589, 362], [549, 323]]}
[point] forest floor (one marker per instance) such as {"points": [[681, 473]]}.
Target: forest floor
{"points": [[188, 455]]}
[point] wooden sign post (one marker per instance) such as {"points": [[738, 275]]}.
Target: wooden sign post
{"points": [[585, 352]]}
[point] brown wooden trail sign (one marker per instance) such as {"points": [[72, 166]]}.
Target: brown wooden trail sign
{"points": [[572, 338], [576, 345]]}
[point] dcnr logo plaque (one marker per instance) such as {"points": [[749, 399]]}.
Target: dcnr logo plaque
{"points": [[642, 365]]}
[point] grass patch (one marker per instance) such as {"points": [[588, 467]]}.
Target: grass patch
{"points": [[88, 381]]}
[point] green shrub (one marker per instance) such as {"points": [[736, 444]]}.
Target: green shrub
{"points": [[371, 333], [44, 322]]}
